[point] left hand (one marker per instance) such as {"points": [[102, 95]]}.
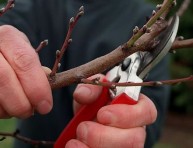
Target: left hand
{"points": [[119, 125]]}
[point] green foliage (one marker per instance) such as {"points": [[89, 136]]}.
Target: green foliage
{"points": [[7, 125], [2, 1]]}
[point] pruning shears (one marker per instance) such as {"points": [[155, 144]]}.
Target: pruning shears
{"points": [[133, 69]]}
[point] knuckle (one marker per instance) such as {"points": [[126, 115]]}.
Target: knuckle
{"points": [[24, 61]]}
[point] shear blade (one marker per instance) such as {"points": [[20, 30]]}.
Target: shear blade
{"points": [[166, 38]]}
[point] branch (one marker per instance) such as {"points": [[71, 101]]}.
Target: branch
{"points": [[17, 136], [183, 7], [68, 40], [10, 5], [149, 83], [41, 45], [139, 42], [179, 44]]}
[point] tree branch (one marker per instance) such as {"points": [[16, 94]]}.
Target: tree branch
{"points": [[126, 84], [138, 42], [59, 53], [179, 44], [183, 7], [17, 136], [10, 5]]}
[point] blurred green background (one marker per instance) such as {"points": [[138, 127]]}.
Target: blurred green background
{"points": [[181, 66]]}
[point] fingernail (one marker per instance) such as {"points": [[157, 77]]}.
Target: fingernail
{"points": [[83, 90], [82, 132], [44, 107]]}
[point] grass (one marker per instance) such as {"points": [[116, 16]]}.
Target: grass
{"points": [[7, 125]]}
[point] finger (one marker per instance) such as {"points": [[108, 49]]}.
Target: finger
{"points": [[24, 60], [96, 135], [12, 98], [87, 93], [46, 70], [75, 144], [128, 116]]}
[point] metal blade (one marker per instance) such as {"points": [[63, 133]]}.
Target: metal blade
{"points": [[150, 59]]}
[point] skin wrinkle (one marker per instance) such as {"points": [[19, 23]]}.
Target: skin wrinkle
{"points": [[114, 117], [24, 62], [6, 80], [101, 142]]}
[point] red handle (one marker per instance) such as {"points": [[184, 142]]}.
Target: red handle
{"points": [[88, 113], [123, 99]]}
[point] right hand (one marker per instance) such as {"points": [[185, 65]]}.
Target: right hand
{"points": [[118, 125], [24, 87]]}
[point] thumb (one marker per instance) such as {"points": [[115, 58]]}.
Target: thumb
{"points": [[86, 93]]}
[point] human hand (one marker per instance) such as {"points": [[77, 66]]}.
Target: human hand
{"points": [[120, 125], [23, 83]]}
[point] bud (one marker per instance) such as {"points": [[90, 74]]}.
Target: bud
{"points": [[158, 7], [58, 53], [81, 13], [158, 83], [136, 30], [45, 42], [70, 41], [148, 30], [2, 10], [59, 65], [180, 38], [12, 6], [153, 12], [173, 51], [144, 28], [174, 3], [71, 20], [81, 9]]}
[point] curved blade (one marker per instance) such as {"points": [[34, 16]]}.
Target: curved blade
{"points": [[150, 59]]}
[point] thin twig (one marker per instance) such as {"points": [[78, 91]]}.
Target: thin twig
{"points": [[184, 6], [41, 45], [126, 84], [25, 139], [59, 53], [179, 44], [10, 4]]}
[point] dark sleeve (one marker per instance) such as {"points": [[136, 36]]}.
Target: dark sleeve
{"points": [[23, 17]]}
